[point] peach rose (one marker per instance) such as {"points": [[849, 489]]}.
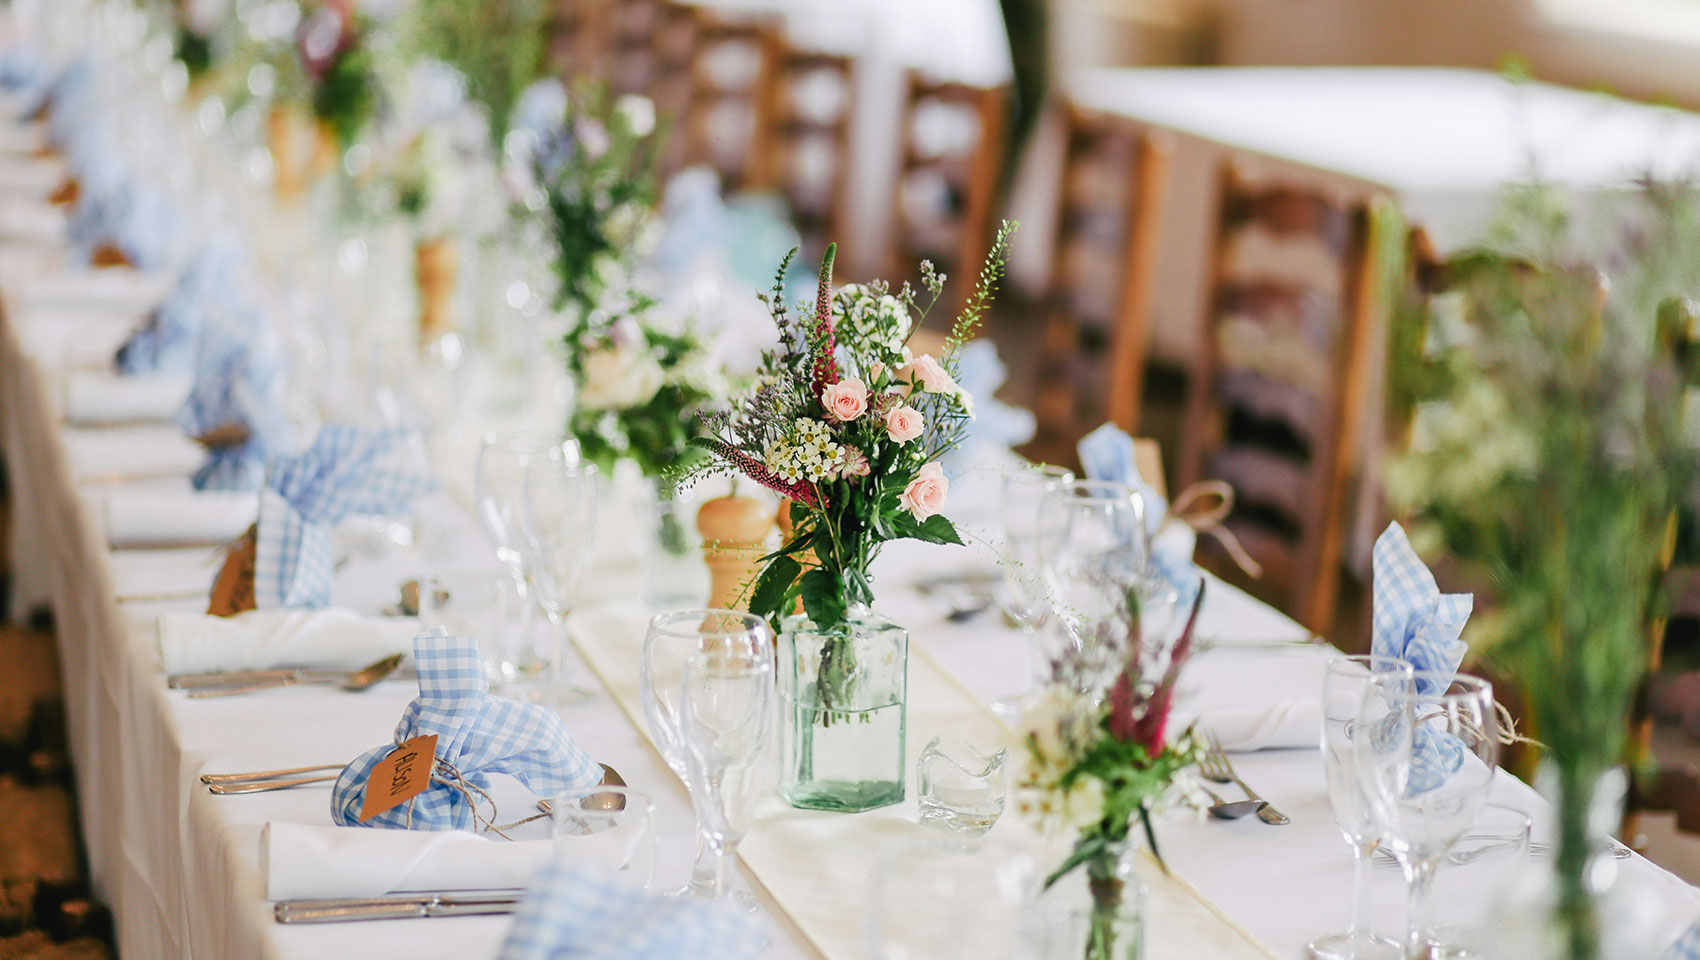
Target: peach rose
{"points": [[929, 375], [845, 400], [924, 496], [904, 424]]}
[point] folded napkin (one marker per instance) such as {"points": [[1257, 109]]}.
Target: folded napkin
{"points": [[477, 735], [1412, 620], [1107, 453], [136, 218], [572, 912], [168, 518], [1249, 702], [26, 219], [115, 290], [126, 453], [101, 399], [302, 861], [263, 639], [208, 285], [238, 385], [347, 471], [1288, 725], [25, 72]]}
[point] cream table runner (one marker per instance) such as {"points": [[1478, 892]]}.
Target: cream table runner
{"points": [[818, 867]]}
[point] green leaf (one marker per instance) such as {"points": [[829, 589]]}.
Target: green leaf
{"points": [[937, 529], [772, 585], [823, 598], [1086, 848]]}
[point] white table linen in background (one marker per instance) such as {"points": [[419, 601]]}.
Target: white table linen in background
{"points": [[102, 399], [302, 861], [179, 517]]}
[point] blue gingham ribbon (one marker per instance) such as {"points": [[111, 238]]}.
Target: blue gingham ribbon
{"points": [[477, 735], [238, 380], [1107, 453], [1415, 622], [1687, 946], [572, 912], [207, 285], [348, 470]]}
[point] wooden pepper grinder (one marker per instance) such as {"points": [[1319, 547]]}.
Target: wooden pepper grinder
{"points": [[734, 536], [436, 264]]}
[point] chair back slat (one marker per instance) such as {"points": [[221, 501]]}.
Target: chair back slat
{"points": [[730, 121], [811, 141]]}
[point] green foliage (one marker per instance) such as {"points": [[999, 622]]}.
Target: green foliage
{"points": [[345, 98], [496, 44]]}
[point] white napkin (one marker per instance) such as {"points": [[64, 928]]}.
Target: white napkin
{"points": [[261, 639], [117, 288], [1257, 699], [99, 399], [31, 177], [309, 861], [1285, 725], [126, 453], [161, 518], [29, 219]]}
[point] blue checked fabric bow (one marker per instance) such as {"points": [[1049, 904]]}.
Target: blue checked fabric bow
{"points": [[135, 218], [571, 912], [1107, 453], [1687, 946], [238, 381], [347, 471], [208, 285], [1414, 622], [477, 735], [25, 71], [996, 425]]}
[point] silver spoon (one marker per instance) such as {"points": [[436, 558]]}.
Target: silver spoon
{"points": [[1226, 810], [362, 679]]}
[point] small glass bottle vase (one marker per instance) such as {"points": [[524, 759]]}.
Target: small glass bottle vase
{"points": [[843, 712], [1096, 912], [674, 573]]}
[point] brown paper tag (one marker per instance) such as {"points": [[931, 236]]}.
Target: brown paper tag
{"points": [[400, 777], [233, 591]]}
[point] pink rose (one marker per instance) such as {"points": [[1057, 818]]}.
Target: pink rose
{"points": [[904, 424], [845, 400], [924, 496], [929, 375]]}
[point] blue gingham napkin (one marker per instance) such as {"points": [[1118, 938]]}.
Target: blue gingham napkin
{"points": [[477, 735], [238, 379], [1107, 453], [25, 71], [1687, 946], [348, 470], [134, 217], [71, 101], [571, 912], [996, 425], [1414, 621], [208, 284]]}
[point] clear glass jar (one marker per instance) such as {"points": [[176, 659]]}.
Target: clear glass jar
{"points": [[843, 712], [1095, 912]]}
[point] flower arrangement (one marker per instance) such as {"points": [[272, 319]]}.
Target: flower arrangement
{"points": [[334, 51], [1548, 459], [641, 385], [591, 170], [850, 426], [496, 44], [1094, 765]]}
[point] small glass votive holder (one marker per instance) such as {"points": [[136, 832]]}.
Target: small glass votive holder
{"points": [[960, 788]]}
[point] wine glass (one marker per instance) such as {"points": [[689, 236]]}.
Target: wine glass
{"points": [[1093, 547], [610, 829], [726, 723], [560, 532], [1425, 750], [1490, 858], [1021, 596], [671, 641], [500, 491], [1344, 684]]}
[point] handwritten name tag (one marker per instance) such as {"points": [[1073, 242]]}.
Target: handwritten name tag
{"points": [[401, 776], [233, 591]]}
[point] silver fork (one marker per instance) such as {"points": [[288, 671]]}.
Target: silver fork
{"points": [[1213, 764]]}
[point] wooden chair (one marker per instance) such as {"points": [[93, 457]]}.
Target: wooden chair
{"points": [[952, 155], [811, 142], [730, 121], [579, 38], [674, 44], [1109, 214], [632, 48], [1276, 393]]}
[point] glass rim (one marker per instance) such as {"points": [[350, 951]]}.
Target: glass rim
{"points": [[1089, 491], [671, 622], [1401, 665], [1052, 472], [518, 440]]}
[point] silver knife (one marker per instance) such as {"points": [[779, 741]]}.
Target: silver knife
{"points": [[396, 908], [242, 678]]}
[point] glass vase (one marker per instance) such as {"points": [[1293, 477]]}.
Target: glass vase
{"points": [[1095, 912], [675, 574], [843, 712], [1584, 912]]}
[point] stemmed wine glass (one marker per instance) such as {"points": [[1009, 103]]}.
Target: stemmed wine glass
{"points": [[1344, 684], [1093, 548], [1021, 597], [726, 723], [1426, 749], [672, 640], [560, 532], [500, 491]]}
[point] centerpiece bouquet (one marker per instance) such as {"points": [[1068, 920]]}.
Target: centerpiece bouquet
{"points": [[1096, 765], [848, 425]]}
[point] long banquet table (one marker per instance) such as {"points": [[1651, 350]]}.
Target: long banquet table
{"points": [[182, 867]]}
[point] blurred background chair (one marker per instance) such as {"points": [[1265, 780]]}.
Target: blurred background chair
{"points": [[810, 165], [729, 123]]}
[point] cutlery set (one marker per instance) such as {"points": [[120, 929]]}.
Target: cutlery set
{"points": [[405, 907], [264, 781], [205, 685], [1213, 765]]}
